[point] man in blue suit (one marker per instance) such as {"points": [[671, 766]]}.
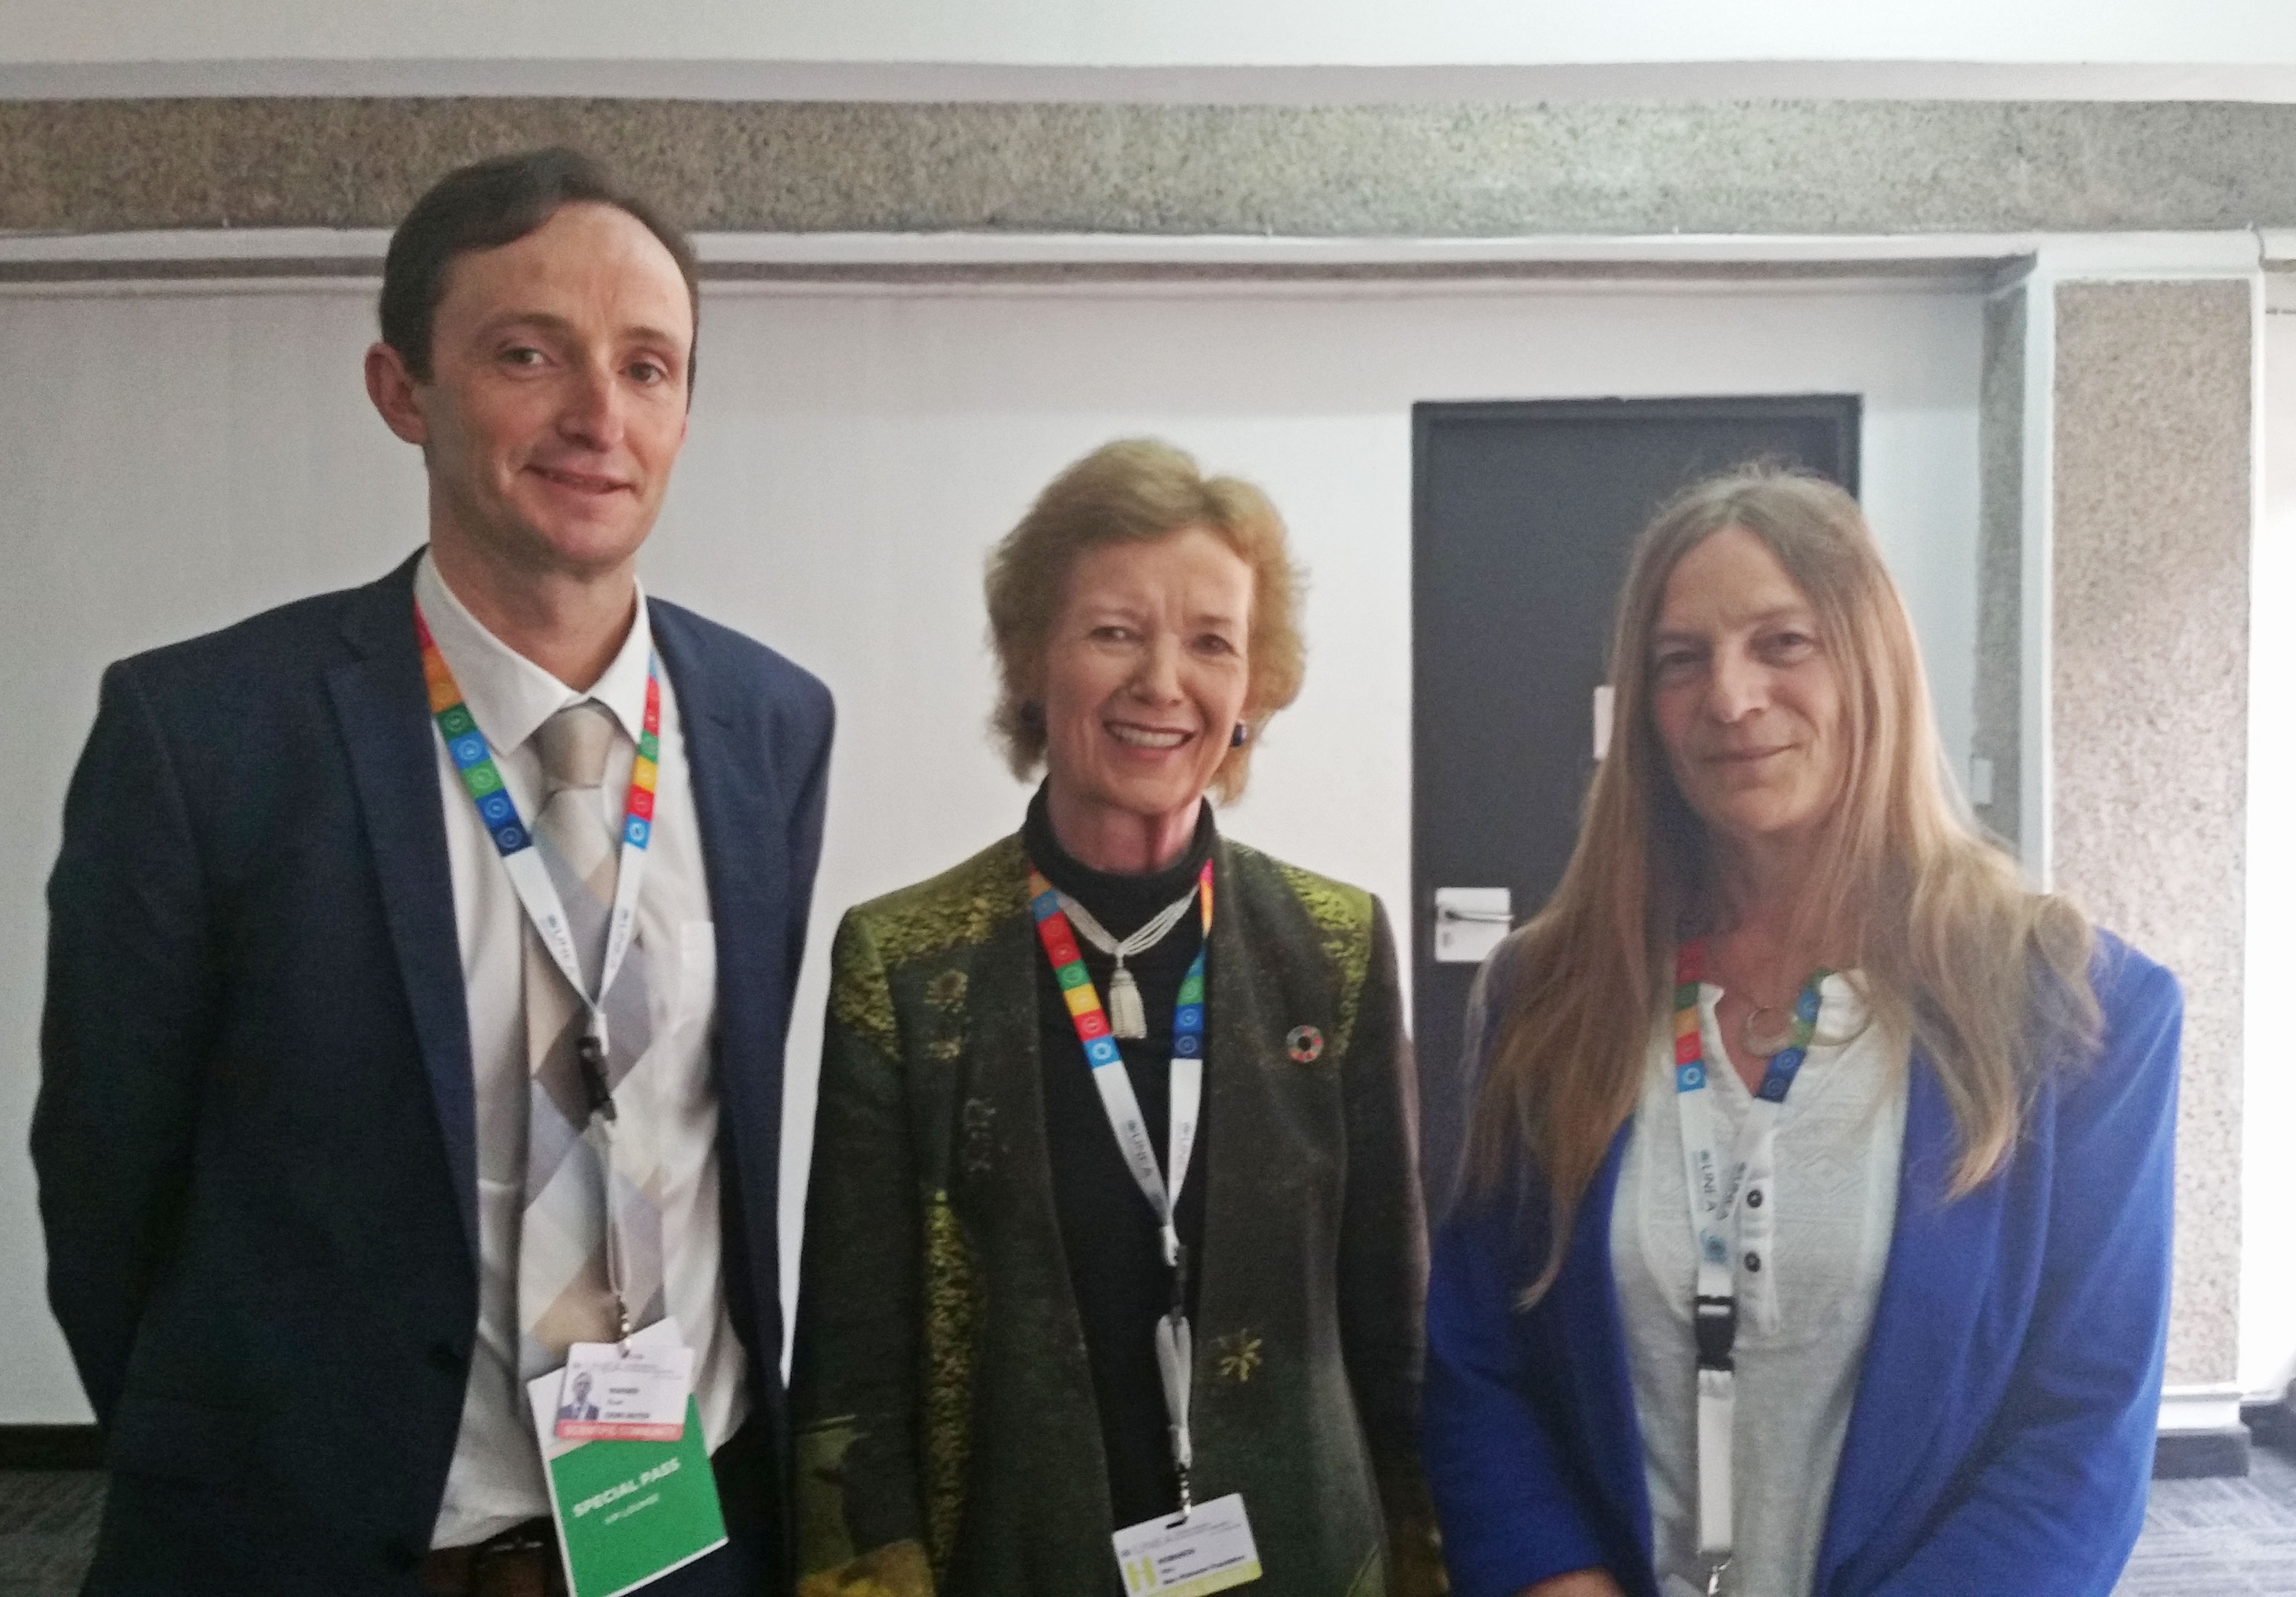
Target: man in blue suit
{"points": [[420, 968]]}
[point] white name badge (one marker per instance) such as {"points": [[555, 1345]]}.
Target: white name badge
{"points": [[624, 1392], [1211, 1551]]}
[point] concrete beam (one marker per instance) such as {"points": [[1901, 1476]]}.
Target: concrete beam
{"points": [[1485, 170]]}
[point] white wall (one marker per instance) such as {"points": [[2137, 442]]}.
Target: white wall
{"points": [[1154, 32], [172, 461], [2267, 1164]]}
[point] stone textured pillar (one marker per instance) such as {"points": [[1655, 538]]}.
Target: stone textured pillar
{"points": [[2148, 682], [1997, 724]]}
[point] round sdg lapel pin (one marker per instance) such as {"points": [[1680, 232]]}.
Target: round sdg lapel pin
{"points": [[1305, 1045]]}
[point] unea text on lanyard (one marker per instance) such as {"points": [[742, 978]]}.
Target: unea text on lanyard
{"points": [[1733, 1219], [514, 842], [1175, 1348]]}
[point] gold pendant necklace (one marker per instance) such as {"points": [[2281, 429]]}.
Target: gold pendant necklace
{"points": [[1763, 1043]]}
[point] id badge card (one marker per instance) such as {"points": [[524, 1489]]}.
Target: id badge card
{"points": [[628, 1511], [624, 1392], [1210, 1551]]}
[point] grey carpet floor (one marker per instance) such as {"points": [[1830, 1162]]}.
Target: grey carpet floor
{"points": [[2233, 1537], [2203, 1539]]}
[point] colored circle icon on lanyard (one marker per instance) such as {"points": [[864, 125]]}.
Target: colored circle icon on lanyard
{"points": [[1090, 1020], [474, 760], [482, 779], [1690, 1050], [1730, 1225], [1175, 1343]]}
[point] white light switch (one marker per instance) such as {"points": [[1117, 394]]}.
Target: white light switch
{"points": [[1602, 721], [1470, 922]]}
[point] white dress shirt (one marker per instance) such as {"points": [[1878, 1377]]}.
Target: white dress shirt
{"points": [[1840, 1134], [496, 1479]]}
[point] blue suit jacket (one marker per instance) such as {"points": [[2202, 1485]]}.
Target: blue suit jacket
{"points": [[254, 1135], [2001, 1438]]}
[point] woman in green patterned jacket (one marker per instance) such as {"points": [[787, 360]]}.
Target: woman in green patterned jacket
{"points": [[1114, 1256]]}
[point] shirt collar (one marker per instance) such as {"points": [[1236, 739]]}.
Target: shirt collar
{"points": [[508, 694]]}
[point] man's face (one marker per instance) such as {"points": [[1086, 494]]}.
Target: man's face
{"points": [[557, 397]]}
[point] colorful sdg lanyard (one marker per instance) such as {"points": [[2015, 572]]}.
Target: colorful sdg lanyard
{"points": [[474, 762], [1175, 1346], [1729, 1233]]}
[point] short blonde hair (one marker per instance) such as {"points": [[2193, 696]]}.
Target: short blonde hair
{"points": [[1138, 490]]}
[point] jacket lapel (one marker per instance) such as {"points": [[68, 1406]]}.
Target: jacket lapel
{"points": [[1230, 1162], [738, 804], [1003, 1070], [1923, 1323], [383, 711], [1591, 1340]]}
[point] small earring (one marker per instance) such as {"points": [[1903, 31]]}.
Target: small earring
{"points": [[1235, 739]]}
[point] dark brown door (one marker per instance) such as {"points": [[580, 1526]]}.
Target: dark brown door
{"points": [[1523, 514]]}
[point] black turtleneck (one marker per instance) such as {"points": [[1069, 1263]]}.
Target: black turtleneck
{"points": [[1116, 1264]]}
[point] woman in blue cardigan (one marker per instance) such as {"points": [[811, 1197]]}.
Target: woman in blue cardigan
{"points": [[1813, 1239]]}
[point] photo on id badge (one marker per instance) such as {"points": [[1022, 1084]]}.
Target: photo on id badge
{"points": [[577, 1406], [1209, 1550], [631, 1490]]}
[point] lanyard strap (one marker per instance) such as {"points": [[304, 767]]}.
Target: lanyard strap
{"points": [[1175, 1344], [1732, 1217], [1107, 1071], [474, 762]]}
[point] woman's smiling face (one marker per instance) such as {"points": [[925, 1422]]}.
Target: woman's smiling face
{"points": [[1146, 674], [1746, 702]]}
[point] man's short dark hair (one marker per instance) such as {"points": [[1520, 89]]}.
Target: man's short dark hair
{"points": [[484, 206]]}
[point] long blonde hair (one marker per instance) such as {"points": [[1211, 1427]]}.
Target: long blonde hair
{"points": [[1986, 978]]}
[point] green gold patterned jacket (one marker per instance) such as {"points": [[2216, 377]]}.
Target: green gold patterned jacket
{"points": [[947, 1440]]}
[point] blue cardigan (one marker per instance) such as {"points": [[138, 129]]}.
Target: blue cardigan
{"points": [[2001, 1438]]}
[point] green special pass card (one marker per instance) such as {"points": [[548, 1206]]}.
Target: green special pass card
{"points": [[627, 1513]]}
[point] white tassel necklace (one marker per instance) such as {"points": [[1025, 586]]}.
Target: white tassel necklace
{"points": [[1126, 1017]]}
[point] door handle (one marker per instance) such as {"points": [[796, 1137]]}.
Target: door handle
{"points": [[1470, 922]]}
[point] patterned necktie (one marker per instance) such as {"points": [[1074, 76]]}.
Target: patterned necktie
{"points": [[564, 1294]]}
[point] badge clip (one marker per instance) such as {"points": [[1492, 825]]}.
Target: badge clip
{"points": [[591, 1054]]}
